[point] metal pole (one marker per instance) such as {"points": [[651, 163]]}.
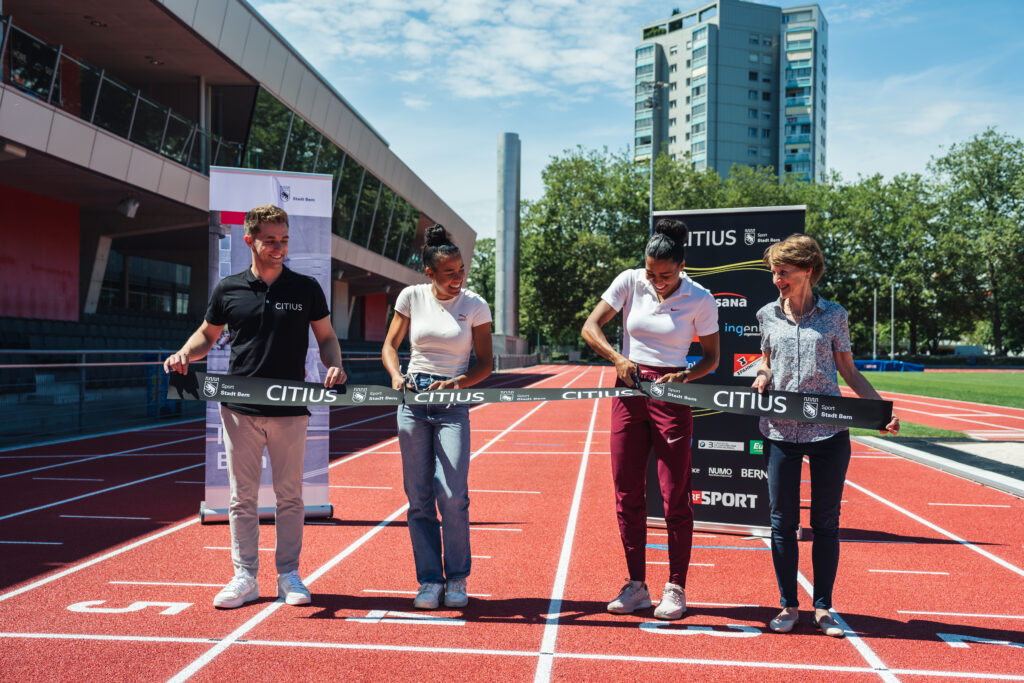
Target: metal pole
{"points": [[892, 321], [651, 197], [874, 330]]}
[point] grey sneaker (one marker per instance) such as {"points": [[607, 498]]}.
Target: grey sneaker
{"points": [[633, 596], [673, 602], [240, 590], [428, 596], [455, 593], [291, 588]]}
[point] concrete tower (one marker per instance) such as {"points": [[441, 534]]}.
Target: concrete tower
{"points": [[506, 255]]}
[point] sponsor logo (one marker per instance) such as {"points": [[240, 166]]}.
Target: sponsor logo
{"points": [[711, 238], [279, 392], [694, 470], [745, 364], [743, 330], [672, 441], [757, 447], [753, 473], [462, 317], [507, 396], [450, 397], [726, 499], [210, 386], [657, 390], [751, 400], [749, 236], [810, 407], [720, 472], [720, 445], [599, 393], [730, 300], [359, 394], [284, 306]]}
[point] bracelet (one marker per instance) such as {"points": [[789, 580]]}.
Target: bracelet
{"points": [[456, 381]]}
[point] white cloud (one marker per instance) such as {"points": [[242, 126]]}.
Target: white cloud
{"points": [[417, 103]]}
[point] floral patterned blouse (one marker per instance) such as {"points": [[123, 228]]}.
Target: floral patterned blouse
{"points": [[801, 359]]}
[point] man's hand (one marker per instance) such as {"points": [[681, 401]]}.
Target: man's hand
{"points": [[335, 375], [177, 362]]}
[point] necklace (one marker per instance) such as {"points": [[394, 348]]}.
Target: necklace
{"points": [[797, 317]]}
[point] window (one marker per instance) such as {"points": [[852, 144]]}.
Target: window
{"points": [[671, 139], [751, 132], [687, 63], [700, 90], [766, 152], [687, 136], [766, 133], [755, 39], [671, 122], [751, 151], [671, 104], [700, 109], [689, 44], [698, 146], [673, 50], [687, 118], [753, 57], [709, 13], [751, 94], [645, 52], [672, 68], [701, 51], [699, 127], [687, 99], [766, 115], [644, 69], [766, 79], [766, 59], [766, 96], [687, 81], [701, 33], [671, 86], [751, 113], [751, 75], [766, 41]]}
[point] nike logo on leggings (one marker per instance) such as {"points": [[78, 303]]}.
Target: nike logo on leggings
{"points": [[671, 441]]}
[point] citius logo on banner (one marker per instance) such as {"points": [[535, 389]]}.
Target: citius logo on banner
{"points": [[307, 199], [724, 255]]}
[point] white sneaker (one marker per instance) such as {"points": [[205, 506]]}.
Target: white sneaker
{"points": [[633, 596], [455, 593], [673, 602], [240, 590], [428, 596], [291, 588]]}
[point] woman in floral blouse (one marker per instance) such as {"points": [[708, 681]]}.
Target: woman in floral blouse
{"points": [[805, 340]]}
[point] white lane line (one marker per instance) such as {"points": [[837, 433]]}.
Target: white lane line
{"points": [[488, 528], [432, 649], [703, 535], [906, 571], [387, 591], [480, 557], [350, 486], [963, 614], [97, 457], [102, 517], [262, 615], [934, 527], [65, 479], [165, 583], [873, 660], [95, 560], [547, 646], [31, 543], [227, 547], [96, 493], [499, 491], [970, 505]]}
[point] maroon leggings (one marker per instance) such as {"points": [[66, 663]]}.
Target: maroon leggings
{"points": [[638, 425]]}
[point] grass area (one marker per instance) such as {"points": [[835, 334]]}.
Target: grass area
{"points": [[997, 388], [912, 430]]}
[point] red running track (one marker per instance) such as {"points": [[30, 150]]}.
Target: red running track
{"points": [[981, 421], [930, 581]]}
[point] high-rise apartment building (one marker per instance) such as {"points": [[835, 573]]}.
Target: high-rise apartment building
{"points": [[735, 82]]}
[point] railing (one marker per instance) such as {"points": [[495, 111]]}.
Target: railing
{"points": [[798, 101], [795, 139], [43, 71], [46, 395]]}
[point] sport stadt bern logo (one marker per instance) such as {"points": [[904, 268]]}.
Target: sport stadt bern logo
{"points": [[810, 408], [210, 386], [359, 394]]}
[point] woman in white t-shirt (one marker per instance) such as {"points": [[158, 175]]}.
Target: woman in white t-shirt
{"points": [[662, 311], [444, 323]]}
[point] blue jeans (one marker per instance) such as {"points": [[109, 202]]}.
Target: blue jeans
{"points": [[434, 441], [829, 459]]}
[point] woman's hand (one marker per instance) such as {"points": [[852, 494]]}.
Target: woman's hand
{"points": [[626, 370], [398, 383], [761, 381], [892, 428], [444, 385], [673, 377]]}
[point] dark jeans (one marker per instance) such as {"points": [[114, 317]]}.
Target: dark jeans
{"points": [[829, 459]]}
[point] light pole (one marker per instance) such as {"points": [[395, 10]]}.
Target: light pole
{"points": [[652, 104]]}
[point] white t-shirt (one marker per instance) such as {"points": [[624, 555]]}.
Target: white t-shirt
{"points": [[659, 332], [441, 332]]}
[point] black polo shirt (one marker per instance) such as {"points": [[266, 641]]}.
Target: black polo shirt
{"points": [[269, 328]]}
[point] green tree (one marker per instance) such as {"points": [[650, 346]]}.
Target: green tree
{"points": [[983, 200], [481, 274]]}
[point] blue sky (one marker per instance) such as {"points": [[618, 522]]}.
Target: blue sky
{"points": [[441, 80]]}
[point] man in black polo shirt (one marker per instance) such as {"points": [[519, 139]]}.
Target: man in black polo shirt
{"points": [[268, 310]]}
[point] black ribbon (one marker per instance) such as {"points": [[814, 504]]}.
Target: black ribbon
{"points": [[831, 410]]}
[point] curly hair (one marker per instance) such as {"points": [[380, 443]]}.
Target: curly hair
{"points": [[268, 213]]}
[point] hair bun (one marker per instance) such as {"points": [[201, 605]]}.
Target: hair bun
{"points": [[673, 229], [437, 236]]}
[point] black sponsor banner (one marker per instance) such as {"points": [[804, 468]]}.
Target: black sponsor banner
{"points": [[805, 407], [724, 254]]}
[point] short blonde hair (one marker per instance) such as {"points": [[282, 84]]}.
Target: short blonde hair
{"points": [[797, 250], [268, 213]]}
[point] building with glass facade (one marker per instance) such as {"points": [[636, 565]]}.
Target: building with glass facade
{"points": [[735, 82], [111, 114]]}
